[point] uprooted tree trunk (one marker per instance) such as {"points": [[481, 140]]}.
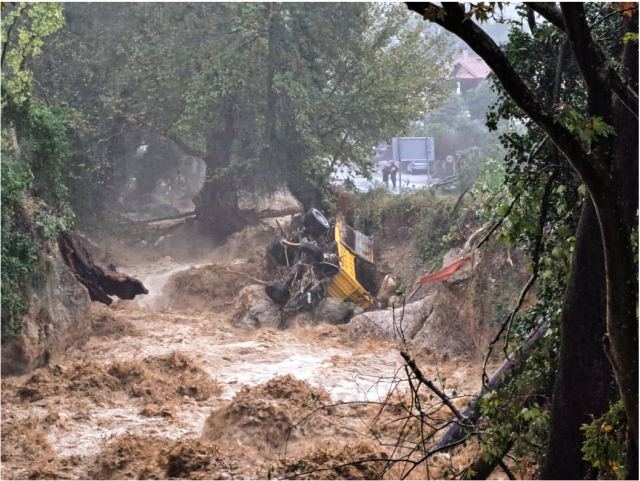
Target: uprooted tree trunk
{"points": [[100, 281]]}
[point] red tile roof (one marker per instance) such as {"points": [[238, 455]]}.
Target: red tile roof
{"points": [[466, 67]]}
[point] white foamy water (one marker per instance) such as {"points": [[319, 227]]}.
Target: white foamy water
{"points": [[155, 283]]}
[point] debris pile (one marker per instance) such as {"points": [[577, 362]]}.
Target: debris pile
{"points": [[323, 268]]}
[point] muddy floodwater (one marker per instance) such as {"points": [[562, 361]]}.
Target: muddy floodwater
{"points": [[153, 375]]}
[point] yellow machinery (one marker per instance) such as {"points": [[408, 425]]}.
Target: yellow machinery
{"points": [[344, 284]]}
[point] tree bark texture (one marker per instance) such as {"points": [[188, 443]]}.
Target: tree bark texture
{"points": [[584, 381], [216, 205]]}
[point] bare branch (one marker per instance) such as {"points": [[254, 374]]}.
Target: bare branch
{"points": [[418, 373]]}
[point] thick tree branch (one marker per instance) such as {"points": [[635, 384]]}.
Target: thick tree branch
{"points": [[186, 148], [549, 11], [589, 58], [8, 39], [531, 20]]}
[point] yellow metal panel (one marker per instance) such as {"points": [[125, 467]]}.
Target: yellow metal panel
{"points": [[344, 284]]}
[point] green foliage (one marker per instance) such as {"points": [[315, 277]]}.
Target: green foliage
{"points": [[47, 148], [307, 89], [34, 206], [587, 129], [34, 150], [544, 201], [24, 27], [604, 446], [525, 427], [434, 226], [537, 175], [439, 229], [18, 249], [490, 178]]}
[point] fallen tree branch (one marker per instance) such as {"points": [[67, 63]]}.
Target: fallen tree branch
{"points": [[445, 399], [506, 469], [507, 371], [262, 214], [169, 217], [269, 213]]}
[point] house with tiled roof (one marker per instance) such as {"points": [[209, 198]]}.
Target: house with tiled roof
{"points": [[469, 71]]}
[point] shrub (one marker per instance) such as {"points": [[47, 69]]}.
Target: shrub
{"points": [[604, 445], [432, 223], [35, 172]]}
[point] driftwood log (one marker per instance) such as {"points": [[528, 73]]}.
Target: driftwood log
{"points": [[507, 371], [100, 281]]}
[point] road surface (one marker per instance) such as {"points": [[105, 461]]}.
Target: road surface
{"points": [[405, 181]]}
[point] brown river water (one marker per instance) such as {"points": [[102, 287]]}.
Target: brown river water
{"points": [[152, 376]]}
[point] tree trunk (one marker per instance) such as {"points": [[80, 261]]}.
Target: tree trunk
{"points": [[583, 383], [615, 199], [307, 194], [624, 335], [216, 205], [507, 371]]}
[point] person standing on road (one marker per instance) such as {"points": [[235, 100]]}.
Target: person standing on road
{"points": [[393, 171], [385, 173]]}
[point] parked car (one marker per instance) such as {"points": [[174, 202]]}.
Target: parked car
{"points": [[417, 167]]}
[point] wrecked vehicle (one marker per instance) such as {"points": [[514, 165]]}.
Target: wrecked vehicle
{"points": [[321, 260]]}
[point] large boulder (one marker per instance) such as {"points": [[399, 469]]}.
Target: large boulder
{"points": [[254, 309], [390, 323], [57, 318], [334, 311], [467, 269], [387, 290]]}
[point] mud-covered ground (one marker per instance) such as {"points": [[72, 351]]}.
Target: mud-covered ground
{"points": [[167, 391]]}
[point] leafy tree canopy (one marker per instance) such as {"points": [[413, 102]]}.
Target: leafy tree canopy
{"points": [[298, 89]]}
